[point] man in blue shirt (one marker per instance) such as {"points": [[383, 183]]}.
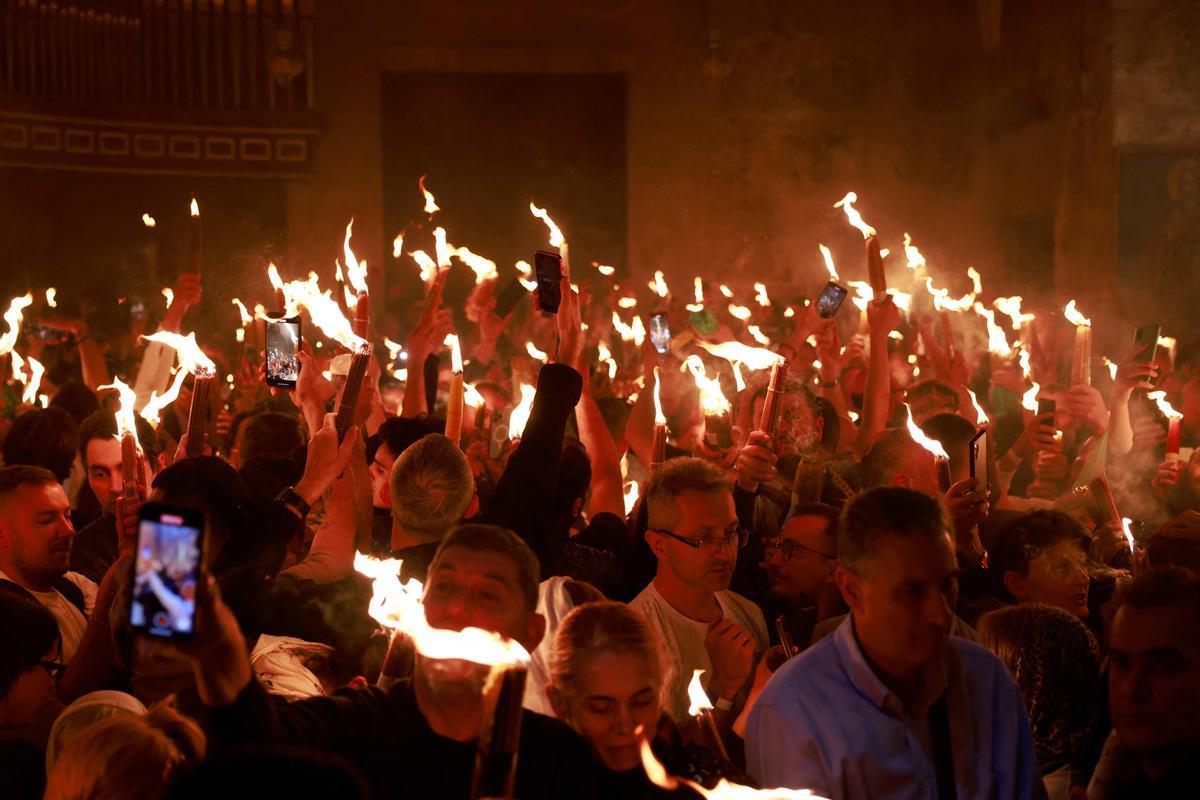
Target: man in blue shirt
{"points": [[892, 706]]}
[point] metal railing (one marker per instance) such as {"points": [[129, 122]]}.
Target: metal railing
{"points": [[199, 54]]}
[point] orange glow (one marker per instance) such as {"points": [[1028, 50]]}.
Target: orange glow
{"points": [[725, 290], [195, 208], [428, 266], [51, 293], [535, 353], [604, 355], [1160, 399], [913, 256], [520, 414], [1011, 307], [13, 317], [456, 364], [441, 249], [191, 357], [659, 285], [829, 266], [760, 294], [1074, 317], [356, 271], [148, 220], [633, 332], [758, 336], [472, 397], [556, 237], [1029, 399], [997, 340], [932, 445], [126, 422], [724, 790], [151, 412], [712, 400], [631, 491], [852, 215], [324, 311], [243, 312], [981, 417], [484, 268], [605, 270], [698, 290], [659, 417], [398, 245], [273, 276], [740, 312], [697, 696], [1125, 523], [169, 294], [754, 358]]}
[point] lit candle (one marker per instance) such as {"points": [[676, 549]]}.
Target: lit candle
{"points": [[701, 709], [1174, 424], [773, 402], [659, 445], [454, 405], [1081, 360], [196, 244]]}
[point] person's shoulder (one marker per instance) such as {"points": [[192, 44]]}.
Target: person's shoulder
{"points": [[646, 598], [818, 665], [85, 584]]}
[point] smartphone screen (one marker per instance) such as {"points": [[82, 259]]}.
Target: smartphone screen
{"points": [[547, 268], [660, 333], [508, 298], [1048, 407], [283, 347], [498, 432], [1146, 337], [166, 571], [831, 300], [979, 456]]}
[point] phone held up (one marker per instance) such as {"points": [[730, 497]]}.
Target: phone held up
{"points": [[508, 298], [167, 569], [547, 270], [977, 447], [831, 299], [660, 332], [1146, 340], [283, 351]]}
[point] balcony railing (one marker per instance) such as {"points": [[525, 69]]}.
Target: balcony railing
{"points": [[249, 55]]}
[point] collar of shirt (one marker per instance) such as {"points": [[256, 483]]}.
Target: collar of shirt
{"points": [[938, 678]]}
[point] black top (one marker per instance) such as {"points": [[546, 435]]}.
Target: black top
{"points": [[22, 770], [94, 548], [385, 736]]}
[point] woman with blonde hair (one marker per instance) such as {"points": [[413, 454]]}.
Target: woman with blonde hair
{"points": [[606, 681], [126, 757]]}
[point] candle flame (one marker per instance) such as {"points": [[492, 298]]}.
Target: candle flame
{"points": [[429, 267], [758, 336], [1029, 399], [659, 285], [1074, 317], [698, 293], [356, 271], [51, 293], [852, 215], [169, 294], [1160, 399], [740, 312], [1125, 523], [633, 332], [195, 208], [535, 353], [398, 245], [472, 397], [13, 317], [484, 268], [932, 445], [981, 417], [273, 276], [724, 790], [33, 382], [605, 269], [126, 422], [151, 412], [760, 294], [698, 697], [789, 312], [659, 417], [441, 248], [243, 312], [627, 302], [520, 414], [754, 358], [191, 357], [456, 364], [829, 266], [324, 311], [1024, 359], [1011, 307], [914, 257], [712, 400], [556, 237], [430, 206], [604, 355], [398, 606], [1112, 367], [631, 490], [148, 220], [725, 290], [997, 340]]}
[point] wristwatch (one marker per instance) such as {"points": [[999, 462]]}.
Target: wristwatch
{"points": [[294, 501]]}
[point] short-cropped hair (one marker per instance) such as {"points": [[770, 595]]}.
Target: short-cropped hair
{"points": [[431, 485], [270, 433], [673, 478], [886, 511], [495, 539], [1159, 587], [42, 437], [13, 478], [28, 631]]}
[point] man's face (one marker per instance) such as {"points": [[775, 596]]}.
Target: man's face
{"points": [[35, 529], [903, 599], [479, 589], [1057, 577], [1154, 678], [104, 470], [804, 560], [381, 473], [798, 429], [701, 515]]}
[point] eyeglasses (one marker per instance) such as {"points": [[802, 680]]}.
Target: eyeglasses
{"points": [[53, 668], [737, 534], [787, 549]]}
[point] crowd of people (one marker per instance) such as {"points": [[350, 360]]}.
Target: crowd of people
{"points": [[862, 624]]}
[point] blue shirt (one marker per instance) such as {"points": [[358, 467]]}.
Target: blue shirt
{"points": [[825, 722]]}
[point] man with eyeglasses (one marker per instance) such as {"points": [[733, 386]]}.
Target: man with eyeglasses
{"points": [[693, 531], [799, 565]]}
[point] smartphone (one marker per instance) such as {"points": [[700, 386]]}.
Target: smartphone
{"points": [[1047, 406], [508, 298], [498, 432], [547, 270], [660, 332], [1146, 337], [831, 300], [166, 571], [283, 349], [977, 447]]}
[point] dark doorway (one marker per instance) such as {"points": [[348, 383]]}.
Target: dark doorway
{"points": [[492, 143]]}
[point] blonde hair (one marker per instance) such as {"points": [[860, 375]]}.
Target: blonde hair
{"points": [[602, 627], [126, 757]]}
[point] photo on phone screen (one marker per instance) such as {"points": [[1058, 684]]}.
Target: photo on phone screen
{"points": [[831, 300], [283, 348], [166, 571], [508, 298], [660, 332], [979, 456], [547, 268], [498, 432], [1147, 338]]}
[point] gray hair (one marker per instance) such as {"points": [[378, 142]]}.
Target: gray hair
{"points": [[431, 486]]}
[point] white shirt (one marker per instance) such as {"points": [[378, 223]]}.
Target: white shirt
{"points": [[71, 623], [683, 640]]}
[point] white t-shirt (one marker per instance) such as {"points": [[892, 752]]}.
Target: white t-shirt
{"points": [[683, 640], [71, 623]]}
